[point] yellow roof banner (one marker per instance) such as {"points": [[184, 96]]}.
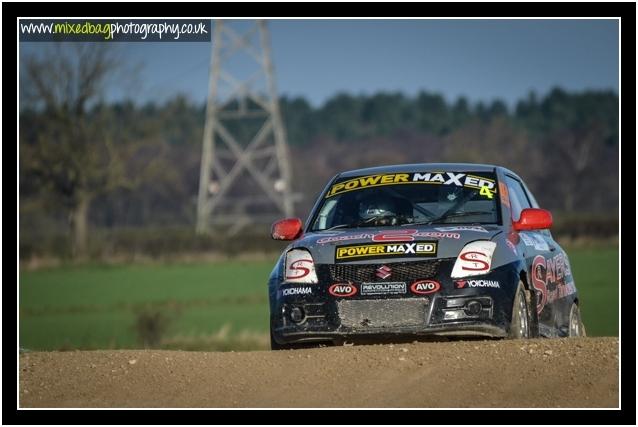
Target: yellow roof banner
{"points": [[486, 185]]}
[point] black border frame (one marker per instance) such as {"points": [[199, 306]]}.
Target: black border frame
{"points": [[626, 11]]}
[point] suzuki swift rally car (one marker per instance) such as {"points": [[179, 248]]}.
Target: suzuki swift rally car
{"points": [[398, 252]]}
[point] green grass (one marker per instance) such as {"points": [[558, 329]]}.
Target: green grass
{"points": [[215, 305], [595, 273], [97, 306]]}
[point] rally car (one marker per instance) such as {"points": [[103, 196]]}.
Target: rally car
{"points": [[408, 251]]}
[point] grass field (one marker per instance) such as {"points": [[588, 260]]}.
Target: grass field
{"points": [[215, 306]]}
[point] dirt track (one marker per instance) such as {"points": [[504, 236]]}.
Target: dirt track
{"points": [[579, 372]]}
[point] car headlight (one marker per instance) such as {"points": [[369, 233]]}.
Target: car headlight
{"points": [[300, 268], [474, 259]]}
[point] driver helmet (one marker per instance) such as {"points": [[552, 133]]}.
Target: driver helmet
{"points": [[377, 206]]}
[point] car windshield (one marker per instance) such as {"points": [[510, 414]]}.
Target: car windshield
{"points": [[410, 198]]}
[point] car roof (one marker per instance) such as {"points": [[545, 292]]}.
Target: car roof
{"points": [[423, 167]]}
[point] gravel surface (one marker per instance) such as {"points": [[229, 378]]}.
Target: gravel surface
{"points": [[576, 372]]}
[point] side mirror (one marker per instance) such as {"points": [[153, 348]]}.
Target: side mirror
{"points": [[533, 219], [286, 229]]}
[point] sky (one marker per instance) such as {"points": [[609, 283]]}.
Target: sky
{"points": [[479, 59]]}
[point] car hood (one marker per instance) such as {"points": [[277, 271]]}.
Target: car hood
{"points": [[450, 239]]}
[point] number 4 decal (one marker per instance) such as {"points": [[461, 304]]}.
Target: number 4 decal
{"points": [[485, 191]]}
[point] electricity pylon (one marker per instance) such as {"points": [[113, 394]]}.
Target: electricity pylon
{"points": [[245, 169]]}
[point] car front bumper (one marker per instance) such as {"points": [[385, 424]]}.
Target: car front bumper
{"points": [[316, 316], [475, 329]]}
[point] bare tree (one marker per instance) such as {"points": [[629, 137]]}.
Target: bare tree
{"points": [[577, 156], [73, 152]]}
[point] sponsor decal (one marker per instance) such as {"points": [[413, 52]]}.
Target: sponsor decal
{"points": [[342, 290], [360, 236], [299, 269], [476, 228], [458, 179], [438, 235], [511, 246], [424, 287], [534, 240], [551, 279], [485, 191], [296, 291], [486, 185], [407, 235], [476, 283], [541, 243], [383, 272], [475, 259], [410, 235], [388, 288], [385, 250], [513, 237], [527, 240]]}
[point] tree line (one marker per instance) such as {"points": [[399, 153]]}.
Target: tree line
{"points": [[86, 164]]}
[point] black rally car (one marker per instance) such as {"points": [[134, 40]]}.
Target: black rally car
{"points": [[398, 252]]}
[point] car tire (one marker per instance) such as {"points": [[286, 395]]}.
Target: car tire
{"points": [[520, 325], [576, 326]]}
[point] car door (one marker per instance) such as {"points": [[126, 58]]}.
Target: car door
{"points": [[537, 248]]}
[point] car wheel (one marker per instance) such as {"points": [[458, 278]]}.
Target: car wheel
{"points": [[576, 327], [520, 324]]}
